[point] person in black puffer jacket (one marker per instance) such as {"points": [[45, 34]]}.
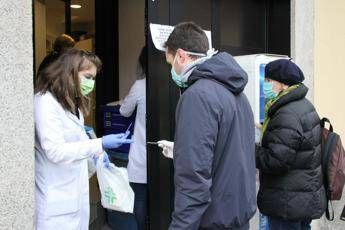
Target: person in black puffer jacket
{"points": [[291, 190]]}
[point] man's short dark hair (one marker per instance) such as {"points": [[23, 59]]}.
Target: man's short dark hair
{"points": [[189, 37]]}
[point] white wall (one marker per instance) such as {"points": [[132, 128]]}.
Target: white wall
{"points": [[16, 116], [330, 77], [131, 40], [329, 61]]}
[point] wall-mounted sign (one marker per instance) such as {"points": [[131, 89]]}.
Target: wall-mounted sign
{"points": [[160, 34]]}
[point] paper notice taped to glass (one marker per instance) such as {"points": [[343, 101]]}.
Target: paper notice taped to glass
{"points": [[160, 34]]}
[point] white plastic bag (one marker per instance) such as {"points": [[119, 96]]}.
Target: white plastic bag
{"points": [[116, 193]]}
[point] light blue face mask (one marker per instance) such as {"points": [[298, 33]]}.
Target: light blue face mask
{"points": [[268, 91], [177, 78]]}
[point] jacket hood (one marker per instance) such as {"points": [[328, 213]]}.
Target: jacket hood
{"points": [[224, 69]]}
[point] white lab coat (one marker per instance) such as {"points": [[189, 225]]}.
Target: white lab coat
{"points": [[137, 153], [61, 174]]}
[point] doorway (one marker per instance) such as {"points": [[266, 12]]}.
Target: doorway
{"points": [[239, 27], [116, 31], [108, 29]]}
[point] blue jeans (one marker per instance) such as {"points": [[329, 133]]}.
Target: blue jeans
{"points": [[263, 222], [140, 205], [280, 224], [121, 220], [128, 221]]}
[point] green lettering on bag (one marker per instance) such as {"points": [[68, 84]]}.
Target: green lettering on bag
{"points": [[110, 196]]}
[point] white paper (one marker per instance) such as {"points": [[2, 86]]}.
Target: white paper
{"points": [[160, 34]]}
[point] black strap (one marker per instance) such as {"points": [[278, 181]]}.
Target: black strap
{"points": [[329, 215], [325, 156], [342, 216], [323, 121], [77, 113]]}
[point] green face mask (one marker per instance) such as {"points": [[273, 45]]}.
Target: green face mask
{"points": [[86, 85]]}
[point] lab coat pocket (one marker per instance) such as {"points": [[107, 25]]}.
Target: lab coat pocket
{"points": [[61, 204]]}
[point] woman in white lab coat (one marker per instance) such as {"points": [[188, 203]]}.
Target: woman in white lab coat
{"points": [[61, 144]]}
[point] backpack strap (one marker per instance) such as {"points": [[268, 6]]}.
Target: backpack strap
{"points": [[330, 215], [323, 121], [342, 216], [325, 159]]}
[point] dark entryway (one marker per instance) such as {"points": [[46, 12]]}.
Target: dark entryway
{"points": [[239, 27]]}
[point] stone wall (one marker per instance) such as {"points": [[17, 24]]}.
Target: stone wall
{"points": [[16, 116]]}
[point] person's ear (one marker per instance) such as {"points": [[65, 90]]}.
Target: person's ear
{"points": [[181, 56]]}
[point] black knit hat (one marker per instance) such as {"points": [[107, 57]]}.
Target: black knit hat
{"points": [[284, 71]]}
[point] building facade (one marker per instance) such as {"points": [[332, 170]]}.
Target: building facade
{"points": [[317, 45]]}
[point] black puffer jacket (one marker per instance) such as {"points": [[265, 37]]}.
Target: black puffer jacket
{"points": [[289, 160]]}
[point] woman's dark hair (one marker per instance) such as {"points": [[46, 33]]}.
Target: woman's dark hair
{"points": [[61, 79], [143, 61]]}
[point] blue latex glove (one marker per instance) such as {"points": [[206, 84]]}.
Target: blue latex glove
{"points": [[106, 160], [113, 141]]}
